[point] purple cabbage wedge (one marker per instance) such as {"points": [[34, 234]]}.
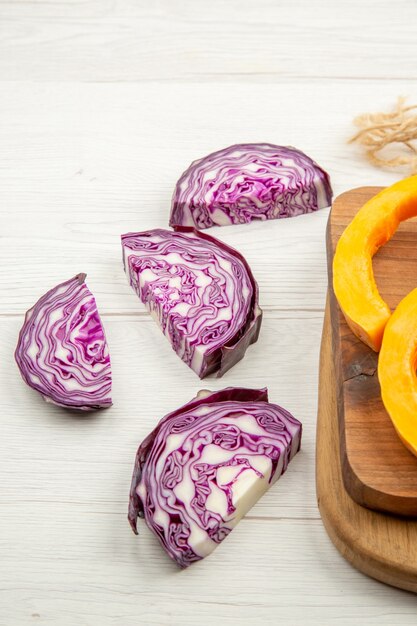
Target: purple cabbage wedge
{"points": [[201, 292], [249, 181], [62, 351], [206, 464]]}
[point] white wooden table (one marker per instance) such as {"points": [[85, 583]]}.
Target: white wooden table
{"points": [[103, 104]]}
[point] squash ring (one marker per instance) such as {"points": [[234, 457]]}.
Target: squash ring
{"points": [[397, 370], [353, 279]]}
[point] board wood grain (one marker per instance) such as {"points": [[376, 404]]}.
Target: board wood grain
{"points": [[378, 471], [380, 545]]}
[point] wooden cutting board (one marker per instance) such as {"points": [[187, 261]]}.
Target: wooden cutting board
{"points": [[380, 545], [377, 470]]}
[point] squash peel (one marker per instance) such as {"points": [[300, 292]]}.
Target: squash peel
{"points": [[397, 370], [353, 279]]}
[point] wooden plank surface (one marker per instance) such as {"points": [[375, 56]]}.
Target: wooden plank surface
{"points": [[103, 104], [382, 546], [378, 470], [188, 40]]}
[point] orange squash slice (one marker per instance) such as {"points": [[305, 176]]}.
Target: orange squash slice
{"points": [[397, 370], [353, 279]]}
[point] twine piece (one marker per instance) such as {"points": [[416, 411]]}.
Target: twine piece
{"points": [[379, 130]]}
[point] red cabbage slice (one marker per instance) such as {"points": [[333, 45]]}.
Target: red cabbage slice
{"points": [[249, 181], [201, 292], [206, 464], [62, 351]]}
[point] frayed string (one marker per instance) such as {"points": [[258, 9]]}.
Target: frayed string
{"points": [[378, 130]]}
